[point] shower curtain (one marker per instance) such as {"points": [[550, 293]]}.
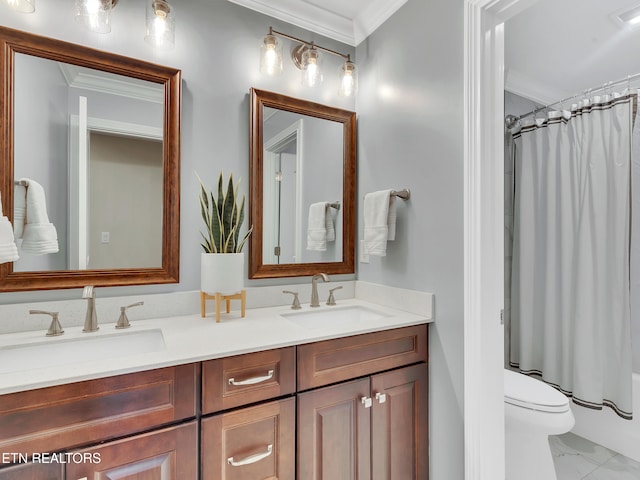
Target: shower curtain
{"points": [[570, 320]]}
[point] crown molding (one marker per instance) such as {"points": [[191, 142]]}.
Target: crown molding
{"points": [[98, 81], [320, 20], [525, 86]]}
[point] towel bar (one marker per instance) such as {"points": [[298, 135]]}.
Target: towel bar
{"points": [[335, 205], [22, 183], [404, 194]]}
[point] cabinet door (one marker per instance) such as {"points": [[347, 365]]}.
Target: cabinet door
{"points": [[334, 428], [33, 471], [400, 429], [168, 454], [253, 443]]}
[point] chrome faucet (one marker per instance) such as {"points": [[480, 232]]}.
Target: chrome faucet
{"points": [[314, 288], [91, 319]]}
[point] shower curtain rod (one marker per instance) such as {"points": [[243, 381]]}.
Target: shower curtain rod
{"points": [[585, 92]]}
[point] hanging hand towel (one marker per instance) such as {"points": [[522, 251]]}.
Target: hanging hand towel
{"points": [[331, 231], [19, 210], [8, 249], [376, 222], [317, 228], [39, 235]]}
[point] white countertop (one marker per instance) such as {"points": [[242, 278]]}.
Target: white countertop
{"points": [[192, 339]]}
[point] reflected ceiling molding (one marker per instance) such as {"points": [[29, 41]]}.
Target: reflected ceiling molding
{"points": [[104, 82], [534, 90], [347, 22]]}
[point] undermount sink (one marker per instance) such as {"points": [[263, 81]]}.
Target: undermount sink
{"points": [[333, 316], [87, 348]]}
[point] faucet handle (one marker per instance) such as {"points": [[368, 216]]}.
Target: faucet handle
{"points": [[296, 302], [123, 321], [332, 300], [55, 328]]}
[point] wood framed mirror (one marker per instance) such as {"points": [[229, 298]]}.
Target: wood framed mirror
{"points": [[301, 154], [109, 165]]}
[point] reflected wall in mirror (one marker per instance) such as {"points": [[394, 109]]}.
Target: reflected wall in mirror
{"points": [[302, 183], [100, 134]]}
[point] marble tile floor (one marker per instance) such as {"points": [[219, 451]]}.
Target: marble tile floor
{"points": [[576, 458]]}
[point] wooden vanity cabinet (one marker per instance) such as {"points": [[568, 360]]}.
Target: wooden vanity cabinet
{"points": [[243, 379], [251, 443], [33, 471], [254, 442], [74, 415], [371, 428], [167, 454]]}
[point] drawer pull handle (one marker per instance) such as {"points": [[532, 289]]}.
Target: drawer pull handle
{"points": [[366, 401], [252, 381], [251, 458], [381, 397]]}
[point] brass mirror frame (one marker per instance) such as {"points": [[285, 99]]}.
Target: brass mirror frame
{"points": [[257, 269], [14, 41]]}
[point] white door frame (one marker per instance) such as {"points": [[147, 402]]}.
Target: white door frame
{"points": [[483, 234], [272, 149]]}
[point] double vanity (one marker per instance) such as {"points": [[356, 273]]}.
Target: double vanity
{"points": [[281, 393]]}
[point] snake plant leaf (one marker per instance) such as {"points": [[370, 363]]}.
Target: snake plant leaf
{"points": [[227, 213], [215, 228], [223, 218], [240, 221]]}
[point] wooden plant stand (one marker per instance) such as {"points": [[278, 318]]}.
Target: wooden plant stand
{"points": [[218, 297]]}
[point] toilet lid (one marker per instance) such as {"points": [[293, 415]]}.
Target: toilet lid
{"points": [[527, 392]]}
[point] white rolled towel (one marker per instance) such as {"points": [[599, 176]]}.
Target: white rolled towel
{"points": [[39, 235], [8, 249], [19, 210]]}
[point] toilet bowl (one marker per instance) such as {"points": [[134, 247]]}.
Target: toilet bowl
{"points": [[533, 411]]}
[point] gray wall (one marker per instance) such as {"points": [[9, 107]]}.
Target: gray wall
{"points": [[41, 141], [410, 134]]}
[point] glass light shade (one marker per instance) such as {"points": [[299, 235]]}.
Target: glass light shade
{"points": [[160, 24], [348, 79], [95, 14], [271, 56], [311, 68], [24, 6]]}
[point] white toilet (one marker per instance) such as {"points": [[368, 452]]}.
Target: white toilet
{"points": [[533, 410]]}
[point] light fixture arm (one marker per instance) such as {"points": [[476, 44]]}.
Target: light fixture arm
{"points": [[309, 44]]}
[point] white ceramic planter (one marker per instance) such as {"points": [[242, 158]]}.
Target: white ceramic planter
{"points": [[221, 273]]}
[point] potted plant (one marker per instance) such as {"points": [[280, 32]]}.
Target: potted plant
{"points": [[222, 263]]}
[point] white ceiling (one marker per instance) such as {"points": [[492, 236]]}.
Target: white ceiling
{"points": [[348, 21], [559, 48]]}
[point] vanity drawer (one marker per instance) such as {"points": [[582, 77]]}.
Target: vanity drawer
{"points": [[251, 443], [56, 418], [234, 381], [331, 361]]}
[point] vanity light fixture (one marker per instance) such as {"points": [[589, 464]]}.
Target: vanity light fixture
{"points": [[307, 58], [95, 14], [271, 55], [23, 6], [160, 24]]}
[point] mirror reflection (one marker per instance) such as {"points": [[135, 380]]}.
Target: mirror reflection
{"points": [[302, 190], [302, 187], [94, 141]]}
